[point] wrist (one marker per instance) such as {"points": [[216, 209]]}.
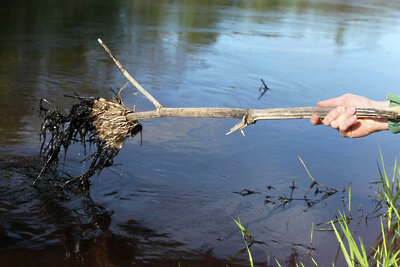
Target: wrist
{"points": [[382, 125], [394, 125]]}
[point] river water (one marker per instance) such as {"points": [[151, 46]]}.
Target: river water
{"points": [[171, 200]]}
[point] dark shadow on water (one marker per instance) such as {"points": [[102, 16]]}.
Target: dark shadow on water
{"points": [[53, 226]]}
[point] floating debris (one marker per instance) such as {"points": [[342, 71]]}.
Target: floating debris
{"points": [[263, 89], [270, 187], [246, 192]]}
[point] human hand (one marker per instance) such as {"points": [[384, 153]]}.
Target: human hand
{"points": [[343, 117]]}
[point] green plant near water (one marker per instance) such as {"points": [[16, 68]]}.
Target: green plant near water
{"points": [[244, 234], [385, 251]]}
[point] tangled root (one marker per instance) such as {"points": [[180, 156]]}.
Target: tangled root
{"points": [[97, 121], [112, 126]]}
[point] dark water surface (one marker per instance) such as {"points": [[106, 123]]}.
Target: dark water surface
{"points": [[171, 200]]}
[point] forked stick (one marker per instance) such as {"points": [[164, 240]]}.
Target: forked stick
{"points": [[248, 116], [314, 182], [129, 77]]}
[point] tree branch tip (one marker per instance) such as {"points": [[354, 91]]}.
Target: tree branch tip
{"points": [[228, 133], [237, 127]]}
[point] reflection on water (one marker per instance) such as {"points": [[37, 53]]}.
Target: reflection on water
{"points": [[53, 226], [172, 198]]}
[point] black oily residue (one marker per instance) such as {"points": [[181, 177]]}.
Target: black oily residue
{"points": [[59, 131]]}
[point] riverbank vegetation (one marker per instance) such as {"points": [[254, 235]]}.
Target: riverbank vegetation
{"points": [[385, 251]]}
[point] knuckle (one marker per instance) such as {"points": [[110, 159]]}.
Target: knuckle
{"points": [[347, 95]]}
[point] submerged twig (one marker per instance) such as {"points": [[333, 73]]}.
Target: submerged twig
{"points": [[314, 182], [263, 89], [246, 192]]}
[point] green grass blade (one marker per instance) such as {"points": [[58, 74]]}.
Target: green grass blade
{"points": [[312, 235], [394, 176], [342, 246], [383, 163], [244, 234], [350, 200]]}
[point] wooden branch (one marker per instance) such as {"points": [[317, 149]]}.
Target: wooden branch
{"points": [[129, 77], [259, 114], [250, 116]]}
